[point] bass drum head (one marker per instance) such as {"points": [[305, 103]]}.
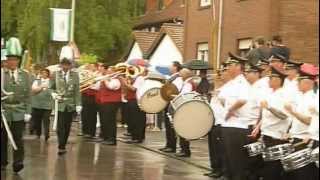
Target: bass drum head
{"points": [[193, 120], [152, 102]]}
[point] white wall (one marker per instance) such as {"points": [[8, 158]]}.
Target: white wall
{"points": [[166, 53], [135, 52]]}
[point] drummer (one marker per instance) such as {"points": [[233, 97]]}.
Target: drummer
{"points": [[274, 122], [302, 118], [187, 86], [171, 140]]}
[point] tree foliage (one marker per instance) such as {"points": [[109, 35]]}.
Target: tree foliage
{"points": [[102, 27]]}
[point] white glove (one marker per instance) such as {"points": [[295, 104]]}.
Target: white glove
{"points": [[78, 109], [54, 96], [27, 117]]}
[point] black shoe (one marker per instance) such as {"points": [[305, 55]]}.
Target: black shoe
{"points": [[46, 138], [127, 134], [134, 141], [17, 167], [183, 154], [214, 174], [110, 143], [62, 152], [3, 167], [161, 149], [98, 140], [168, 150]]}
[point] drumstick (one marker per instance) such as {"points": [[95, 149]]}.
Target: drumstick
{"points": [[298, 144]]}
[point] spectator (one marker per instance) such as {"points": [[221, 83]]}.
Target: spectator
{"points": [[259, 52], [279, 48]]}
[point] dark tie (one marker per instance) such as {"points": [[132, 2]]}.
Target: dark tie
{"points": [[13, 79], [65, 77]]}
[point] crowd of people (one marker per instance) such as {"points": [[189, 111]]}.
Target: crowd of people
{"points": [[264, 97]]}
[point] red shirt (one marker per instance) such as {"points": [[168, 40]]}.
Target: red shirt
{"points": [[105, 95]]}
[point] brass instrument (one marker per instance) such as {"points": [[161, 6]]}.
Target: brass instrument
{"points": [[119, 69]]}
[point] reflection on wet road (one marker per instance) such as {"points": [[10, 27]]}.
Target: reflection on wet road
{"points": [[91, 161]]}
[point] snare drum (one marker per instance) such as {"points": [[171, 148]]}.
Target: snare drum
{"points": [[315, 156], [193, 117], [297, 160], [255, 149], [277, 152], [151, 100]]}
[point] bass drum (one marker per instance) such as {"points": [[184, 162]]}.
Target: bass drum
{"points": [[193, 117], [150, 100]]}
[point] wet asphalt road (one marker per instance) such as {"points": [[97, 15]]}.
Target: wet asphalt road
{"points": [[93, 161]]}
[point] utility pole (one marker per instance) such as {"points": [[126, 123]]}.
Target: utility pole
{"points": [[73, 9]]}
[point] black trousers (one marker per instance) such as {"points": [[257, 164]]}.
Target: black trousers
{"points": [[108, 113], [237, 161], [272, 169], [137, 121], [63, 128], [89, 115], [216, 153], [41, 119], [309, 172], [17, 129], [126, 116], [184, 145], [171, 139]]}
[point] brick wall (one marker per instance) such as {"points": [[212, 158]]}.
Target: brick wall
{"points": [[299, 26], [198, 28], [151, 5]]}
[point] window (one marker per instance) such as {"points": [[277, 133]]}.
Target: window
{"points": [[204, 3], [244, 46], [203, 52]]}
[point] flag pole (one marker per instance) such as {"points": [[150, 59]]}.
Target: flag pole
{"points": [[73, 8]]}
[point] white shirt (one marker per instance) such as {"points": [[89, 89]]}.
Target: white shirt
{"points": [[271, 125], [238, 89], [138, 83], [186, 86], [67, 74], [178, 82], [263, 84], [291, 88], [113, 84], [252, 106], [304, 102], [43, 83], [218, 109], [15, 74]]}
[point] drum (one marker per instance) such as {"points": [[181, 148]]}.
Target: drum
{"points": [[255, 149], [193, 117], [297, 160], [277, 152], [149, 97], [315, 156]]}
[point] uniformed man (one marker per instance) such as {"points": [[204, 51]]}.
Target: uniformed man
{"points": [[137, 118], [263, 82], [216, 153], [236, 124], [291, 82], [65, 86], [41, 103], [171, 139], [16, 107], [89, 108], [187, 86], [274, 122], [108, 98], [301, 120]]}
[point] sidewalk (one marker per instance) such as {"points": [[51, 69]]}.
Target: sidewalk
{"points": [[156, 140]]}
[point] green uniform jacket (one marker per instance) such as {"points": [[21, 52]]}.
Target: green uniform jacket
{"points": [[19, 104], [43, 99], [70, 90]]}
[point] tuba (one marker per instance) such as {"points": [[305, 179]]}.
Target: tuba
{"points": [[169, 91]]}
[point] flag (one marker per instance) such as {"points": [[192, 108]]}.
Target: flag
{"points": [[60, 24]]}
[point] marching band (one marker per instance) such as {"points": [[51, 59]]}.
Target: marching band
{"points": [[262, 120]]}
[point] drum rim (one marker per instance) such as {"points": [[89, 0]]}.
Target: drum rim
{"points": [[213, 119]]}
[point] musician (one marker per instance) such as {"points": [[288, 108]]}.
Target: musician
{"points": [[274, 122], [89, 110], [65, 86], [291, 82], [137, 118], [187, 86], [171, 139], [17, 109], [41, 103], [216, 152], [263, 82], [236, 125], [277, 61], [301, 120], [108, 98]]}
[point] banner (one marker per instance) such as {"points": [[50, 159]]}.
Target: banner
{"points": [[60, 24]]}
